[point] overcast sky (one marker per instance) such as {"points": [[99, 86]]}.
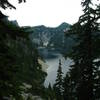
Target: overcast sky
{"points": [[45, 12]]}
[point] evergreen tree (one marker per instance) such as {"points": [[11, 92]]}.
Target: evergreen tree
{"points": [[86, 51], [58, 86], [18, 62], [6, 4], [8, 66], [71, 82], [50, 93], [27, 60]]}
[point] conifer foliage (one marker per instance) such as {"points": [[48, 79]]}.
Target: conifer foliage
{"points": [[58, 86], [86, 52], [6, 4], [71, 82], [19, 65]]}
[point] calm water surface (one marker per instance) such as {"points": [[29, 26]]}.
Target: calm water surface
{"points": [[52, 60]]}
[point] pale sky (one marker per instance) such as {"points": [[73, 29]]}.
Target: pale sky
{"points": [[45, 12]]}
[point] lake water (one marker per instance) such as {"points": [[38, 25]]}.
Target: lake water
{"points": [[52, 58]]}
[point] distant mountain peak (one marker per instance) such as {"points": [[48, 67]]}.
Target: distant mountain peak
{"points": [[64, 24]]}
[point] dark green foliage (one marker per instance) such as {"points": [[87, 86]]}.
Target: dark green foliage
{"points": [[71, 81], [8, 67], [85, 53], [27, 62], [68, 89], [18, 63], [58, 86], [50, 94], [6, 4]]}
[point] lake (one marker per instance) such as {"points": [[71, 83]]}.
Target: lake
{"points": [[52, 57]]}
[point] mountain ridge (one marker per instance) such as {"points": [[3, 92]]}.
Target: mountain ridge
{"points": [[52, 37], [62, 24]]}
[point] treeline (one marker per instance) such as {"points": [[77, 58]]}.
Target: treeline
{"points": [[19, 61], [82, 81], [84, 75], [20, 71]]}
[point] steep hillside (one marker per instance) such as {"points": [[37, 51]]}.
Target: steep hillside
{"points": [[52, 38]]}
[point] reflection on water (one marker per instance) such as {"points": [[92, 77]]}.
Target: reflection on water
{"points": [[52, 60]]}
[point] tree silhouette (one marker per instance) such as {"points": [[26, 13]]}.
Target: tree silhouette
{"points": [[58, 86], [87, 50], [71, 81], [18, 62], [6, 4]]}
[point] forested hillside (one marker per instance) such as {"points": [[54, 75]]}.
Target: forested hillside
{"points": [[52, 38], [22, 72], [19, 64]]}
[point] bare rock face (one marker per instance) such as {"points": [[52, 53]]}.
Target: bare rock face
{"points": [[43, 65]]}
